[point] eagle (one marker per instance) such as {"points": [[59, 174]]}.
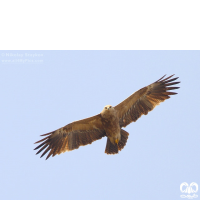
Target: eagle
{"points": [[109, 122]]}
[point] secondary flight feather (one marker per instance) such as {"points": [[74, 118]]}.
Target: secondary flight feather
{"points": [[109, 122]]}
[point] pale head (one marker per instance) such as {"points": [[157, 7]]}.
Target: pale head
{"points": [[107, 110], [108, 107]]}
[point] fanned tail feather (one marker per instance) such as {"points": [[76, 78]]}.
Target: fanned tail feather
{"points": [[124, 138], [114, 148]]}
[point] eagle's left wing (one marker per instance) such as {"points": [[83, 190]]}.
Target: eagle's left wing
{"points": [[145, 100]]}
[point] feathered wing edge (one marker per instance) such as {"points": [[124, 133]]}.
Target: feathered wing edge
{"points": [[145, 100], [71, 137]]}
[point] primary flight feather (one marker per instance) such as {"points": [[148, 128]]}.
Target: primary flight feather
{"points": [[109, 122]]}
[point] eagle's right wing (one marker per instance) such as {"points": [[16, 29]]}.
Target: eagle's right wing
{"points": [[71, 136]]}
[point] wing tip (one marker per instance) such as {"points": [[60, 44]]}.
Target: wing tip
{"points": [[160, 78]]}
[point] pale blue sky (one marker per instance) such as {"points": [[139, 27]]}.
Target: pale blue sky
{"points": [[42, 93]]}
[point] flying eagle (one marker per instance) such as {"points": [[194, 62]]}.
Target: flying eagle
{"points": [[109, 122]]}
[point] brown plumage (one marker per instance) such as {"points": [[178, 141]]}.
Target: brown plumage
{"points": [[109, 122]]}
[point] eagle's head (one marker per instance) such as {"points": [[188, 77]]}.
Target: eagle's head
{"points": [[108, 107], [107, 111]]}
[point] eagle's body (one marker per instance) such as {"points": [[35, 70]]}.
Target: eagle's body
{"points": [[109, 122]]}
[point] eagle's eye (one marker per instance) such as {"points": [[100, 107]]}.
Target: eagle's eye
{"points": [[110, 106], [105, 107]]}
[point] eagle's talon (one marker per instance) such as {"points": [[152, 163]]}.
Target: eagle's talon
{"points": [[117, 141]]}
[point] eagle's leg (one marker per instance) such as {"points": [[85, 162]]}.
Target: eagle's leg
{"points": [[117, 141]]}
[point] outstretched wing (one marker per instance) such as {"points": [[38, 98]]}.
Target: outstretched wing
{"points": [[145, 100], [71, 136]]}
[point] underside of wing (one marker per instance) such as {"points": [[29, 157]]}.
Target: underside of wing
{"points": [[71, 136], [145, 100]]}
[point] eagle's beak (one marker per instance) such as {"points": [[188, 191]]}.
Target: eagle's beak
{"points": [[108, 108]]}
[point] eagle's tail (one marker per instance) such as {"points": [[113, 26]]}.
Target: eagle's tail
{"points": [[114, 148], [124, 138], [111, 148]]}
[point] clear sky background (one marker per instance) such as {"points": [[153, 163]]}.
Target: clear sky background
{"points": [[44, 90]]}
